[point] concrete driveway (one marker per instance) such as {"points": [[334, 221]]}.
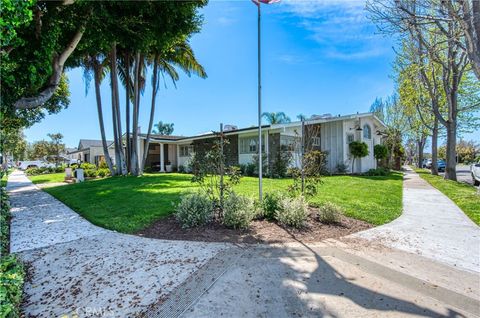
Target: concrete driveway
{"points": [[463, 174]]}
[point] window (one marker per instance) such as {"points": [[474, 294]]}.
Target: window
{"points": [[367, 132], [289, 143], [250, 144], [316, 141], [186, 151], [350, 138]]}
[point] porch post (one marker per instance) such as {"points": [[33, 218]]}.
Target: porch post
{"points": [[162, 159]]}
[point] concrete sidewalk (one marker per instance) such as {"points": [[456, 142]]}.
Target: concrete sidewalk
{"points": [[76, 268], [432, 226]]}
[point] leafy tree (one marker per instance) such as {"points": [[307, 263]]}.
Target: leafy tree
{"points": [[276, 118], [358, 149], [467, 151], [39, 150], [163, 128], [56, 146], [380, 152]]}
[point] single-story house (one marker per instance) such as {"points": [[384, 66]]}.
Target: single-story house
{"points": [[332, 135], [91, 151]]}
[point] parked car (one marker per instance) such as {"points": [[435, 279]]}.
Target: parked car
{"points": [[475, 170], [441, 165], [24, 165], [426, 163]]}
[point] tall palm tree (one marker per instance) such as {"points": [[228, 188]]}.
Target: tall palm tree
{"points": [[91, 64], [276, 118], [180, 56]]}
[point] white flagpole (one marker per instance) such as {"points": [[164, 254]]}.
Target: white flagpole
{"points": [[260, 157]]}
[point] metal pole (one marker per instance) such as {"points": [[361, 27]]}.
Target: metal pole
{"points": [[222, 162], [302, 151], [260, 158]]}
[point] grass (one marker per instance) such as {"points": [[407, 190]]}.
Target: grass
{"points": [[129, 204], [48, 178], [464, 195]]}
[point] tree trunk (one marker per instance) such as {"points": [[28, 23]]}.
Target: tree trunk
{"points": [[113, 62], [96, 70], [134, 154], [122, 168], [421, 146], [451, 162], [152, 113], [127, 110], [434, 167]]}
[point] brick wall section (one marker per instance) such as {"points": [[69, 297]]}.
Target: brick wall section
{"points": [[201, 146], [273, 147]]}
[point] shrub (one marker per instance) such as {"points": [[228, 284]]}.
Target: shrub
{"points": [[341, 168], [90, 173], [102, 164], [88, 166], [11, 278], [248, 169], [378, 172], [280, 163], [329, 213], [293, 212], [380, 152], [358, 149], [181, 169], [238, 211], [103, 172], [194, 209], [271, 204]]}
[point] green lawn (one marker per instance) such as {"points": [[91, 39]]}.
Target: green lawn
{"points": [[129, 204], [48, 178], [464, 195]]}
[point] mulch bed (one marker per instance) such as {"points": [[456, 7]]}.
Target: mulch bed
{"points": [[260, 231]]}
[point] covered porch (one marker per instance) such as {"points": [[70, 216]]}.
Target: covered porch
{"points": [[161, 157]]}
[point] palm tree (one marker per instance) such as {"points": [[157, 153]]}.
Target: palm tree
{"points": [[164, 63], [276, 118], [91, 64], [162, 128], [301, 117]]}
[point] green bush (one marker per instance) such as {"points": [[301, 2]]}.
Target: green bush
{"points": [[12, 276], [329, 213], [103, 172], [88, 166], [90, 173], [238, 211], [293, 212], [380, 152], [181, 169], [378, 172], [271, 204], [4, 221], [248, 169], [102, 164], [194, 209]]}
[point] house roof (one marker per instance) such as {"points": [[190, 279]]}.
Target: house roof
{"points": [[87, 143]]}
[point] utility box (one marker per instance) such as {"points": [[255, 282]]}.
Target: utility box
{"points": [[79, 175], [68, 175]]}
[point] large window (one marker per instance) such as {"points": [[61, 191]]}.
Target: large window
{"points": [[289, 143], [186, 151], [367, 132], [250, 144]]}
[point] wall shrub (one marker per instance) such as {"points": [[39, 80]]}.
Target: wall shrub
{"points": [[271, 204], [329, 213], [293, 212], [238, 211], [194, 209]]}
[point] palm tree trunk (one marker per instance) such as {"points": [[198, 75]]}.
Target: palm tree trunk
{"points": [[121, 154], [152, 111], [114, 112], [96, 70], [127, 109], [134, 155]]}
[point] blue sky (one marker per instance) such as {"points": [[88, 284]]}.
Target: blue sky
{"points": [[317, 57]]}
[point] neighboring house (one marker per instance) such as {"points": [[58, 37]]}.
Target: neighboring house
{"points": [[167, 153], [91, 151]]}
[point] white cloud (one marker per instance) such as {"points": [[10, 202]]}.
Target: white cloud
{"points": [[340, 27]]}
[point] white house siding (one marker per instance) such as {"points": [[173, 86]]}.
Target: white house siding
{"points": [[368, 162], [183, 160], [332, 139]]}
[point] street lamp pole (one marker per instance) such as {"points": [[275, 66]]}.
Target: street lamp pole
{"points": [[260, 157]]}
